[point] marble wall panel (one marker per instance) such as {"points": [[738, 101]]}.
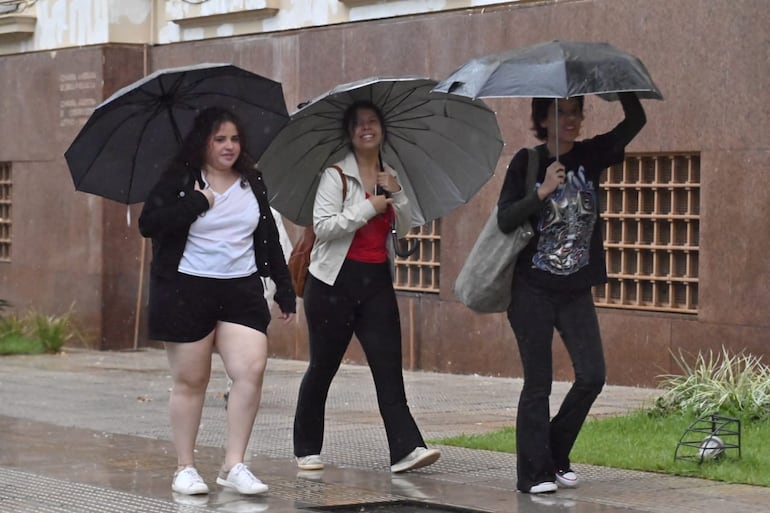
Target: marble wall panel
{"points": [[707, 57], [734, 269]]}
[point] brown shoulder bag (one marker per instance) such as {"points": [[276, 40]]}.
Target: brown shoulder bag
{"points": [[299, 259]]}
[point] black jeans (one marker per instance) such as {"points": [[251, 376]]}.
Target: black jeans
{"points": [[362, 301], [543, 444]]}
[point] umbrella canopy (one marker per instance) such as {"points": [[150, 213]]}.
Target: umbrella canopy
{"points": [[445, 147], [555, 69], [128, 140]]}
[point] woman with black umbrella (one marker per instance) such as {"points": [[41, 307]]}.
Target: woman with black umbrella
{"points": [[213, 237]]}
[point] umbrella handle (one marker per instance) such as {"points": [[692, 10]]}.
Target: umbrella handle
{"points": [[403, 253]]}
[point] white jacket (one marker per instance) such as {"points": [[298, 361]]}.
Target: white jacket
{"points": [[335, 223]]}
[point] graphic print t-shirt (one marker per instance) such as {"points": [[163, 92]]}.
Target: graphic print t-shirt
{"points": [[566, 224], [566, 252]]}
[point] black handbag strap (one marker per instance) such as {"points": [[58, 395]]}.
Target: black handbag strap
{"points": [[533, 162]]}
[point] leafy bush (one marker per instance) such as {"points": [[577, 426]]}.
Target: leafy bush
{"points": [[35, 332], [736, 385]]}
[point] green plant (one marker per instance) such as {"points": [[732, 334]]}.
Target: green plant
{"points": [[14, 338], [640, 441], [737, 385], [646, 439], [52, 330], [35, 332]]}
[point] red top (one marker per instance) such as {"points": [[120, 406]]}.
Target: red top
{"points": [[369, 241]]}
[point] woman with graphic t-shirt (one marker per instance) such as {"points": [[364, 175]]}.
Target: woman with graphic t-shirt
{"points": [[553, 279]]}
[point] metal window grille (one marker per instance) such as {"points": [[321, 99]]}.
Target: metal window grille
{"points": [[651, 224], [5, 212], [420, 271]]}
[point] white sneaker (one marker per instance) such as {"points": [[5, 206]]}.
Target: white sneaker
{"points": [[418, 458], [567, 478], [241, 479], [188, 482], [311, 462], [544, 487]]}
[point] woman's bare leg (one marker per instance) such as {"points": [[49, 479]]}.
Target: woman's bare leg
{"points": [[244, 354], [190, 365]]}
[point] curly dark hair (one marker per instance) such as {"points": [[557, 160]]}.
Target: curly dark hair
{"points": [[191, 155], [540, 112]]}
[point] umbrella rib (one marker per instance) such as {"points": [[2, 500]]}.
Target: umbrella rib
{"points": [[240, 99], [414, 189], [139, 143], [400, 99], [423, 151], [438, 134], [104, 146]]}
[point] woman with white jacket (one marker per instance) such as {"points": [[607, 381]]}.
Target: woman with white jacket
{"points": [[350, 291]]}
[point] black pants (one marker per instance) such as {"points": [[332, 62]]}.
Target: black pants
{"points": [[362, 301], [543, 444]]}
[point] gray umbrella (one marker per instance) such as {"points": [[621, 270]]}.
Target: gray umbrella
{"points": [[556, 69], [445, 147]]}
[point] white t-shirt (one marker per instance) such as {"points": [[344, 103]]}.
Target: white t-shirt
{"points": [[221, 241]]}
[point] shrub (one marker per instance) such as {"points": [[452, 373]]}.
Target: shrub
{"points": [[736, 385], [35, 332]]}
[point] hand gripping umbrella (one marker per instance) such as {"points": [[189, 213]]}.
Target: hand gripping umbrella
{"points": [[126, 143], [555, 69], [445, 147]]}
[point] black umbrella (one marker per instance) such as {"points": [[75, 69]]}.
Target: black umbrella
{"points": [[556, 69], [128, 140], [445, 147]]}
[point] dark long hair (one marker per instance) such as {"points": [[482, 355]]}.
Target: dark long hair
{"points": [[191, 155], [540, 112]]}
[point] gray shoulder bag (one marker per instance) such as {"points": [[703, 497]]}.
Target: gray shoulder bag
{"points": [[484, 282]]}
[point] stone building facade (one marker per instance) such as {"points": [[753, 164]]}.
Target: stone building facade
{"points": [[686, 218]]}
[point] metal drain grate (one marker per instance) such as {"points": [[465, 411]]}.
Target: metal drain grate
{"points": [[395, 507]]}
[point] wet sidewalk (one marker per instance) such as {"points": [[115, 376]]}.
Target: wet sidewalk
{"points": [[88, 432]]}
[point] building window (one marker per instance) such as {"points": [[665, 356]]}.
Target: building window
{"points": [[651, 224], [420, 271], [5, 212]]}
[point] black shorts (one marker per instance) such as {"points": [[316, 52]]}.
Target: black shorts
{"points": [[186, 308]]}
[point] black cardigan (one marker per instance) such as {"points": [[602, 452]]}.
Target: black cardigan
{"points": [[174, 204]]}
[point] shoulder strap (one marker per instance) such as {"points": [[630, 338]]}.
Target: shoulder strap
{"points": [[532, 164], [344, 182]]}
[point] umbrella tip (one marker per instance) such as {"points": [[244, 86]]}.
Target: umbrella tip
{"points": [[302, 104]]}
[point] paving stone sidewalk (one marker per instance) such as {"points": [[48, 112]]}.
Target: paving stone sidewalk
{"points": [[123, 396]]}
